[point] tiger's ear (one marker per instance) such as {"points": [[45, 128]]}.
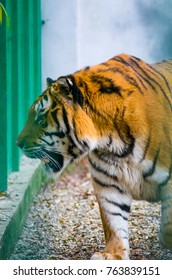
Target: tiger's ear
{"points": [[50, 81], [65, 82], [72, 91]]}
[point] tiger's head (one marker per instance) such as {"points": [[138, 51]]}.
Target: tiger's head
{"points": [[58, 130]]}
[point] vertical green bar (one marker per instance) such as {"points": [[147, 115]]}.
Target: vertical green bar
{"points": [[31, 50], [15, 84], [34, 43], [26, 34], [9, 86], [29, 55], [3, 107], [37, 48], [20, 96]]}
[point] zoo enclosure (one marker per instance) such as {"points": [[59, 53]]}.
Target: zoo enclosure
{"points": [[20, 76]]}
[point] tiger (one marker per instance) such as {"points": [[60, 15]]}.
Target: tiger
{"points": [[117, 113]]}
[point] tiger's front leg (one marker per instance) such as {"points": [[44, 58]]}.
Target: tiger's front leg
{"points": [[114, 206]]}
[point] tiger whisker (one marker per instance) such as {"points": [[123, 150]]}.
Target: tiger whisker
{"points": [[32, 149], [51, 159]]}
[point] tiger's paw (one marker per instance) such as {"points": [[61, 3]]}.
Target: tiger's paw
{"points": [[107, 256]]}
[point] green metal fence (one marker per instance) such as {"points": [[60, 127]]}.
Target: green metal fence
{"points": [[20, 76]]}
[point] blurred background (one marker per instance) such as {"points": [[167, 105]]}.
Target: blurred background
{"points": [[78, 33], [50, 38]]}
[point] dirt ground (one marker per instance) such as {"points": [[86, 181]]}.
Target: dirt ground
{"points": [[64, 223]]}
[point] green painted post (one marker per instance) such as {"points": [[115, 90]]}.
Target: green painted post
{"points": [[20, 76], [9, 86], [3, 107], [13, 92], [37, 48], [31, 49], [26, 59], [21, 66]]}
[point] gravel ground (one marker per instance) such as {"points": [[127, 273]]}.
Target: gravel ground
{"points": [[64, 223]]}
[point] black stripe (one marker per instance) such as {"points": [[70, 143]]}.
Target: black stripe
{"points": [[99, 169], [86, 89], [152, 169], [40, 119], [146, 147], [167, 85], [110, 141], [76, 136], [105, 157], [121, 60], [59, 134], [54, 116], [148, 79], [163, 77], [66, 122], [106, 85], [128, 78], [49, 144], [70, 140], [153, 80], [136, 58], [71, 152], [126, 150], [108, 185], [117, 214], [45, 97], [53, 106], [105, 64], [92, 107], [123, 112], [123, 207], [124, 133], [65, 119], [49, 91], [85, 144], [41, 104], [77, 94]]}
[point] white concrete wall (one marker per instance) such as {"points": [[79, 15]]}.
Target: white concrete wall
{"points": [[78, 33], [107, 28], [59, 42]]}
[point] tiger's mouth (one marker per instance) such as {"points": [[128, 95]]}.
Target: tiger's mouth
{"points": [[52, 161]]}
